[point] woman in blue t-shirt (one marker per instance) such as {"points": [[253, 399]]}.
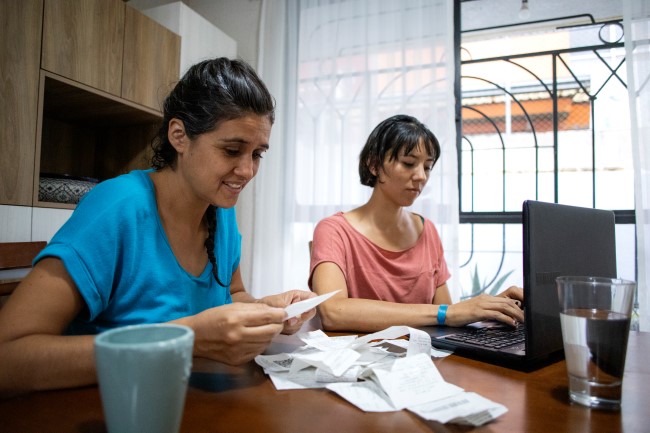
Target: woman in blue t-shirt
{"points": [[158, 245]]}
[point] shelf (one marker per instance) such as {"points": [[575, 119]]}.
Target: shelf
{"points": [[84, 132], [74, 102]]}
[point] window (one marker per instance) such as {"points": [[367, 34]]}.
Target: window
{"points": [[545, 116]]}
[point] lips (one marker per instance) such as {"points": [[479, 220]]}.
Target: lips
{"points": [[235, 186]]}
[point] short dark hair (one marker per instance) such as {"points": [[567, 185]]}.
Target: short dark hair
{"points": [[210, 92], [389, 138]]}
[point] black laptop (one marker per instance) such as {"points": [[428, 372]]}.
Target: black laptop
{"points": [[557, 240]]}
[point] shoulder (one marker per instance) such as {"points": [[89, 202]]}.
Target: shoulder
{"points": [[130, 187], [332, 221], [333, 224], [331, 229], [129, 197], [430, 233], [426, 222]]}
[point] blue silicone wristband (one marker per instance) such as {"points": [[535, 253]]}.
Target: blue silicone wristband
{"points": [[442, 314]]}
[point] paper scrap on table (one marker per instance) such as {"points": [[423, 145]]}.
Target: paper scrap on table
{"points": [[322, 341], [414, 380], [374, 379], [418, 342], [465, 408], [436, 353], [300, 307], [335, 361]]}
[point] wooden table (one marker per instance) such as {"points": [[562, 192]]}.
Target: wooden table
{"points": [[243, 399]]}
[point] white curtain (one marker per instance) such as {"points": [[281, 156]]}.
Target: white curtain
{"points": [[337, 68], [636, 14]]}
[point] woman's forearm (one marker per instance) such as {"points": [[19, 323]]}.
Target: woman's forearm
{"points": [[366, 315], [41, 362]]}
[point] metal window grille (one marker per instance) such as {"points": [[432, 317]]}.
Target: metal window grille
{"points": [[540, 124]]}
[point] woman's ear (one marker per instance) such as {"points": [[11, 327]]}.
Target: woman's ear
{"points": [[378, 170], [373, 167], [176, 135]]}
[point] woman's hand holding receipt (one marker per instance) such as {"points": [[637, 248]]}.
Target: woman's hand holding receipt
{"points": [[298, 308], [289, 300], [235, 333]]}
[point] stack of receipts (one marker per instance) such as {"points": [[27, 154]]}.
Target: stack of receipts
{"points": [[364, 372]]}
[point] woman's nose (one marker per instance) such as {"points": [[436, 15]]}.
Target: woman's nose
{"points": [[420, 172], [245, 167]]}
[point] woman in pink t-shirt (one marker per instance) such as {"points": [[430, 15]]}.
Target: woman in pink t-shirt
{"points": [[387, 262]]}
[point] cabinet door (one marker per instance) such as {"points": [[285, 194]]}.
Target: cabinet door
{"points": [[151, 60], [83, 41], [20, 48]]}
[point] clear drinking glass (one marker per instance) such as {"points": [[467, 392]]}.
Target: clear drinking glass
{"points": [[595, 315]]}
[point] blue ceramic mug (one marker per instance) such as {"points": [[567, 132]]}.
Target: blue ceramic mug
{"points": [[143, 371]]}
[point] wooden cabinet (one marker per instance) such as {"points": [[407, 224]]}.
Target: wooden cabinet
{"points": [[112, 47], [90, 107], [83, 41], [151, 60], [20, 49]]}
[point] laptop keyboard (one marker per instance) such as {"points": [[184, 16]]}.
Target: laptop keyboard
{"points": [[490, 337]]}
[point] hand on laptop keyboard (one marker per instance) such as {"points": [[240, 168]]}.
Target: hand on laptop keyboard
{"points": [[505, 308]]}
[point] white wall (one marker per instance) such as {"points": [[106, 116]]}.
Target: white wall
{"points": [[239, 19], [26, 224], [200, 39]]}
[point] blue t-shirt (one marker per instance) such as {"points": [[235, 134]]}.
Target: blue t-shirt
{"points": [[117, 253]]}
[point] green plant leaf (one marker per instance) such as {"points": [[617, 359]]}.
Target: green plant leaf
{"points": [[497, 284], [478, 288], [476, 283]]}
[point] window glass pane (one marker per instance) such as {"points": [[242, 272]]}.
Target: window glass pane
{"points": [[545, 116], [539, 121], [492, 256]]}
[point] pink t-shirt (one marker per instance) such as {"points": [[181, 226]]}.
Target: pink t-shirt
{"points": [[410, 276]]}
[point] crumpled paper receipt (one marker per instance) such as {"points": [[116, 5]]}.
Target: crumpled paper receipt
{"points": [[363, 371]]}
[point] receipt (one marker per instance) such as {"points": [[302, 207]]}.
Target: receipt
{"points": [[414, 380], [419, 341], [374, 379], [298, 308]]}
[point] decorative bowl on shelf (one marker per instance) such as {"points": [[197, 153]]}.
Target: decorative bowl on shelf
{"points": [[64, 188]]}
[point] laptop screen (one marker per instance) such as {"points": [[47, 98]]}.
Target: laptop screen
{"points": [[560, 240]]}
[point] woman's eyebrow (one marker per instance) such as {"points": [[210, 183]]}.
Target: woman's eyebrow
{"points": [[233, 140], [240, 141]]}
